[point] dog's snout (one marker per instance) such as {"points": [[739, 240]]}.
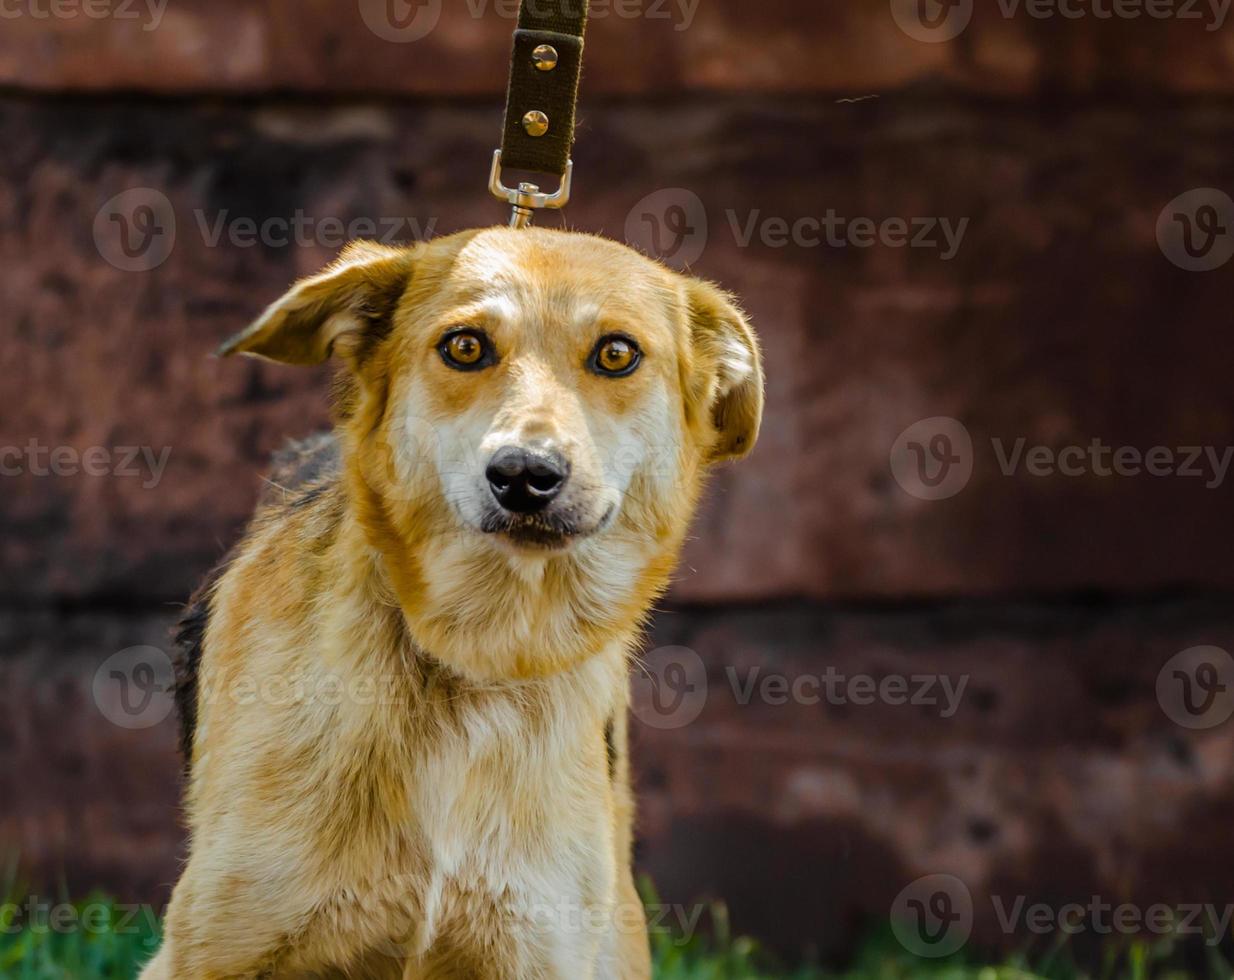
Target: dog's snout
{"points": [[525, 481]]}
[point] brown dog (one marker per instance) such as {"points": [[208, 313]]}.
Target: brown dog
{"points": [[409, 682]]}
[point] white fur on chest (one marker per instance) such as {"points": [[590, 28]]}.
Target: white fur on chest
{"points": [[517, 814]]}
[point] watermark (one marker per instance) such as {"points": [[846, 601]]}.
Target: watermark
{"points": [[932, 21], [676, 923], [834, 230], [933, 459], [672, 225], [39, 917], [1195, 231], [1096, 915], [1207, 463], [679, 13], [834, 688], [135, 688], [669, 688], [380, 908], [148, 12], [1195, 688], [933, 916], [679, 923], [305, 231], [1212, 13], [938, 21], [407, 21], [401, 21], [325, 689], [124, 462], [136, 231]]}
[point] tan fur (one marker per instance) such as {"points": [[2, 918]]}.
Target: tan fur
{"points": [[400, 766]]}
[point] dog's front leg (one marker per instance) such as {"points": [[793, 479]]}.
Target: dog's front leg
{"points": [[220, 926], [626, 952], [538, 954], [159, 968], [168, 964]]}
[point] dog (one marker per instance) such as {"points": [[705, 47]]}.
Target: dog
{"points": [[405, 692]]}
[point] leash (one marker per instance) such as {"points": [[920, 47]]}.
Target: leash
{"points": [[540, 105]]}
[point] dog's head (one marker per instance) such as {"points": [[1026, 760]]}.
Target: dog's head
{"points": [[516, 399]]}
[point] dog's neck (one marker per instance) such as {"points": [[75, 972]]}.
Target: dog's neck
{"points": [[496, 616]]}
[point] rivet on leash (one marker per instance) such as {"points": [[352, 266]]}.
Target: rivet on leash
{"points": [[545, 57]]}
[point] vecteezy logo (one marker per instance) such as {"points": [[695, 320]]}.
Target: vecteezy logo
{"points": [[135, 688], [1196, 230], [933, 916], [933, 459], [670, 688], [932, 21], [401, 21], [136, 230], [670, 224], [1196, 687]]}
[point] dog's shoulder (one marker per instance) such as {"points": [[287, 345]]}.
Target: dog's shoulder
{"points": [[303, 473]]}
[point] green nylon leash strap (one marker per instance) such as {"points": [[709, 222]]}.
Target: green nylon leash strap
{"points": [[544, 79]]}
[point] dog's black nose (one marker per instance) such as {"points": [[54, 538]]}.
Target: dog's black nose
{"points": [[524, 482]]}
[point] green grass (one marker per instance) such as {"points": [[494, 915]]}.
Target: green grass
{"points": [[91, 940], [718, 956], [881, 958], [109, 942]]}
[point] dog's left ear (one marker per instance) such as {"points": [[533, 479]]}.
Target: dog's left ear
{"points": [[727, 384], [341, 310]]}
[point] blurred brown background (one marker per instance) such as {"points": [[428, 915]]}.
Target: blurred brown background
{"points": [[1062, 317]]}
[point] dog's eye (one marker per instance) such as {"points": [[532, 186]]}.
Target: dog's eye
{"points": [[616, 357], [466, 350]]}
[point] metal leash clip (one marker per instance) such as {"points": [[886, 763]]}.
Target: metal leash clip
{"points": [[527, 198]]}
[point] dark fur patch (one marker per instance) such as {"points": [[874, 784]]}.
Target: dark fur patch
{"points": [[302, 473], [190, 639], [303, 470], [610, 748]]}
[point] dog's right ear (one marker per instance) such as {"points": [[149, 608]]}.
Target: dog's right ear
{"points": [[342, 310]]}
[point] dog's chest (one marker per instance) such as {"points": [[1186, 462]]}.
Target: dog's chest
{"points": [[507, 819], [513, 779]]}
